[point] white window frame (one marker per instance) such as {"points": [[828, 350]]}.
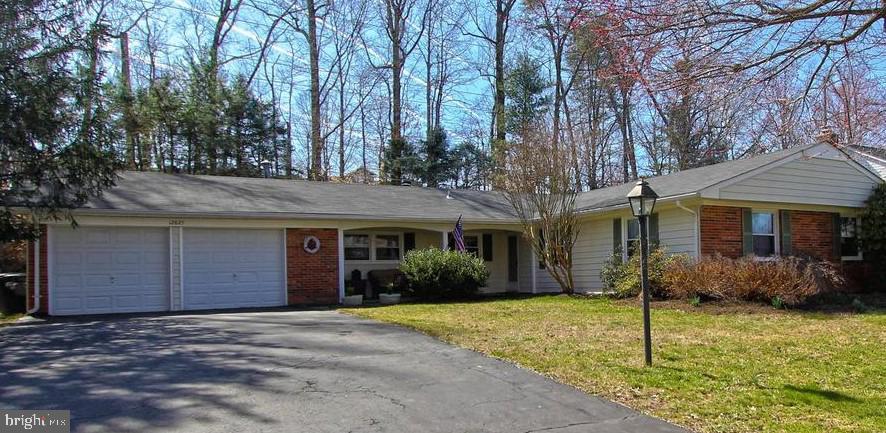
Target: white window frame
{"points": [[479, 237], [399, 246], [624, 235], [858, 256], [372, 256], [776, 234], [369, 258]]}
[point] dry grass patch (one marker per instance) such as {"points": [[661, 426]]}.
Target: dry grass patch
{"points": [[727, 372]]}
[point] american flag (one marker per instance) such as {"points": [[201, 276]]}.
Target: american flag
{"points": [[459, 236]]}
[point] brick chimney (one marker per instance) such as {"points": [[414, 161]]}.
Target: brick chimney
{"points": [[826, 135]]}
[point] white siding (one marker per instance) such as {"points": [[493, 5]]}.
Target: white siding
{"points": [[545, 283], [592, 249], [813, 181], [676, 232], [498, 267], [525, 265]]}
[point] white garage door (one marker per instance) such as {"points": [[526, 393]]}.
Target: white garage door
{"points": [[98, 270], [233, 268]]}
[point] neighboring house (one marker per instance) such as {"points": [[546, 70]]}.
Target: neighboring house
{"points": [[160, 242], [871, 157]]}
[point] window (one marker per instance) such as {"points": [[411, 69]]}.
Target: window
{"points": [[849, 238], [387, 247], [472, 245], [632, 237], [356, 247], [763, 230]]}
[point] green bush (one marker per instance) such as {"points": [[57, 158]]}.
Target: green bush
{"points": [[434, 273], [872, 235], [622, 278]]}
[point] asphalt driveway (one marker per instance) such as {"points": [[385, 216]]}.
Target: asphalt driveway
{"points": [[283, 371]]}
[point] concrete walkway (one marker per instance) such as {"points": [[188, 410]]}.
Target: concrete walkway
{"points": [[283, 371]]}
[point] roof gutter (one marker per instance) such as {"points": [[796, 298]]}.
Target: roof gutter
{"points": [[604, 209], [280, 215]]}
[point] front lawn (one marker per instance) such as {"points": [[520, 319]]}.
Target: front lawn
{"points": [[758, 371], [8, 319]]}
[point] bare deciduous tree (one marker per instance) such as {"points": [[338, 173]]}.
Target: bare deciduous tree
{"points": [[538, 182]]}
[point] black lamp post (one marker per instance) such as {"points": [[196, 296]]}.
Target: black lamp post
{"points": [[642, 199]]}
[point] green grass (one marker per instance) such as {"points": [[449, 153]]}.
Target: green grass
{"points": [[755, 371], [6, 319]]}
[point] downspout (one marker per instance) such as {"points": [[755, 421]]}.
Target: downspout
{"points": [[36, 295], [695, 228]]}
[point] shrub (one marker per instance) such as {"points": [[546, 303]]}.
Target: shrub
{"points": [[872, 234], [433, 273], [786, 280], [623, 277]]}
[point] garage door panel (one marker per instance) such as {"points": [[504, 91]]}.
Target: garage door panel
{"points": [[98, 303], [96, 237], [231, 268], [98, 258], [98, 270], [160, 279]]}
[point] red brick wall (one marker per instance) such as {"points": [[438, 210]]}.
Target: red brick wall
{"points": [[721, 231], [312, 278], [812, 234], [44, 274]]}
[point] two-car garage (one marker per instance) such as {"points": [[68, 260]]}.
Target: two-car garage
{"points": [[99, 270]]}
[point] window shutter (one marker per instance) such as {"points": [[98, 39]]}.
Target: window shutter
{"points": [[616, 236], [408, 241], [487, 247], [838, 240], [786, 240], [653, 231], [450, 241], [747, 228]]}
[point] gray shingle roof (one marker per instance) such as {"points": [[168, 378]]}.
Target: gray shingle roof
{"points": [[147, 192], [682, 182]]}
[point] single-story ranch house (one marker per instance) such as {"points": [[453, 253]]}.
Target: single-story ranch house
{"points": [[164, 242]]}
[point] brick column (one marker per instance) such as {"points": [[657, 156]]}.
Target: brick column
{"points": [[812, 234], [720, 231], [312, 278]]}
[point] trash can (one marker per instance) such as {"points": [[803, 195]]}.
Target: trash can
{"points": [[12, 293]]}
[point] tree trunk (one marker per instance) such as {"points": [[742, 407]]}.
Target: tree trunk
{"points": [[341, 128], [126, 89], [502, 14], [90, 90], [363, 141], [316, 164]]}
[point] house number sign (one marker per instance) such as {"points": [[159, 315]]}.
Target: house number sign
{"points": [[312, 244]]}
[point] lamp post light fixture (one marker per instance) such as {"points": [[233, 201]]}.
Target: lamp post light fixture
{"points": [[642, 199]]}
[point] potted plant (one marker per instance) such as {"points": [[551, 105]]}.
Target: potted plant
{"points": [[352, 298], [389, 297]]}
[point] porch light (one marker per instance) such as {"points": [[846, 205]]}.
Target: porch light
{"points": [[642, 199]]}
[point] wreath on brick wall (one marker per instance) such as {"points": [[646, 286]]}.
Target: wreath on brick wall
{"points": [[312, 244]]}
